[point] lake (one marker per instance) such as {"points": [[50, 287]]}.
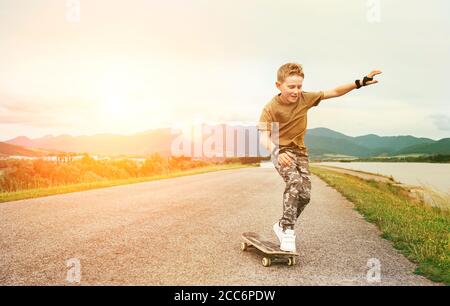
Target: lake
{"points": [[435, 175]]}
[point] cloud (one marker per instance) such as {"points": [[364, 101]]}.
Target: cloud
{"points": [[442, 122], [38, 112], [31, 120]]}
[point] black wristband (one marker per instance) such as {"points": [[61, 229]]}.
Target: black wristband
{"points": [[366, 79], [358, 84]]}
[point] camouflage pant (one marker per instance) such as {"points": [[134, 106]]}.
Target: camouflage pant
{"points": [[297, 193]]}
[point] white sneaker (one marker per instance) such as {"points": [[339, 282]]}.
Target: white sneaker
{"points": [[288, 241], [278, 231]]}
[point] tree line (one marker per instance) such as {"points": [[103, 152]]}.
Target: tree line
{"points": [[28, 174]]}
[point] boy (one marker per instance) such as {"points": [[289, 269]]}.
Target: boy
{"points": [[287, 112]]}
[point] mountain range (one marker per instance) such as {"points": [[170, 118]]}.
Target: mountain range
{"points": [[7, 149], [320, 141]]}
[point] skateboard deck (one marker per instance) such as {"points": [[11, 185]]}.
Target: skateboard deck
{"points": [[270, 249]]}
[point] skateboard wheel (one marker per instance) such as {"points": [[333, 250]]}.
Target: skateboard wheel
{"points": [[266, 262], [291, 261], [244, 246]]}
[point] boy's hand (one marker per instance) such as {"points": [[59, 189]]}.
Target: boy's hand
{"points": [[285, 159], [371, 75]]}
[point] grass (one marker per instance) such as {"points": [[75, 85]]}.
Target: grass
{"points": [[41, 192], [417, 230], [434, 197], [389, 177]]}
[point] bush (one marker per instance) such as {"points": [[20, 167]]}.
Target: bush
{"points": [[67, 174], [154, 165], [26, 174], [129, 166]]}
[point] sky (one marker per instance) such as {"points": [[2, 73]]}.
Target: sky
{"points": [[94, 66]]}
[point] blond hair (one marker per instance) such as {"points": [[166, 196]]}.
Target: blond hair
{"points": [[288, 70]]}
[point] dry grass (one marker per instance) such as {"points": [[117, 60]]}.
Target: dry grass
{"points": [[41, 192]]}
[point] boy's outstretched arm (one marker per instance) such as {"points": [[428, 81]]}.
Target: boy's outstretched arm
{"points": [[343, 89]]}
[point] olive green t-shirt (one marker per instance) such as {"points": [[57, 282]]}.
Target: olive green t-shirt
{"points": [[291, 119]]}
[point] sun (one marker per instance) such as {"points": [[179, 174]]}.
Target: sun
{"points": [[115, 105]]}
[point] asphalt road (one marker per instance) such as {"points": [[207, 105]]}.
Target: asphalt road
{"points": [[186, 231]]}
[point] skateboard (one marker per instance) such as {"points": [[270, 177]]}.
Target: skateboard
{"points": [[270, 249]]}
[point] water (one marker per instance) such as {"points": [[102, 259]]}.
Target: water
{"points": [[434, 175]]}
